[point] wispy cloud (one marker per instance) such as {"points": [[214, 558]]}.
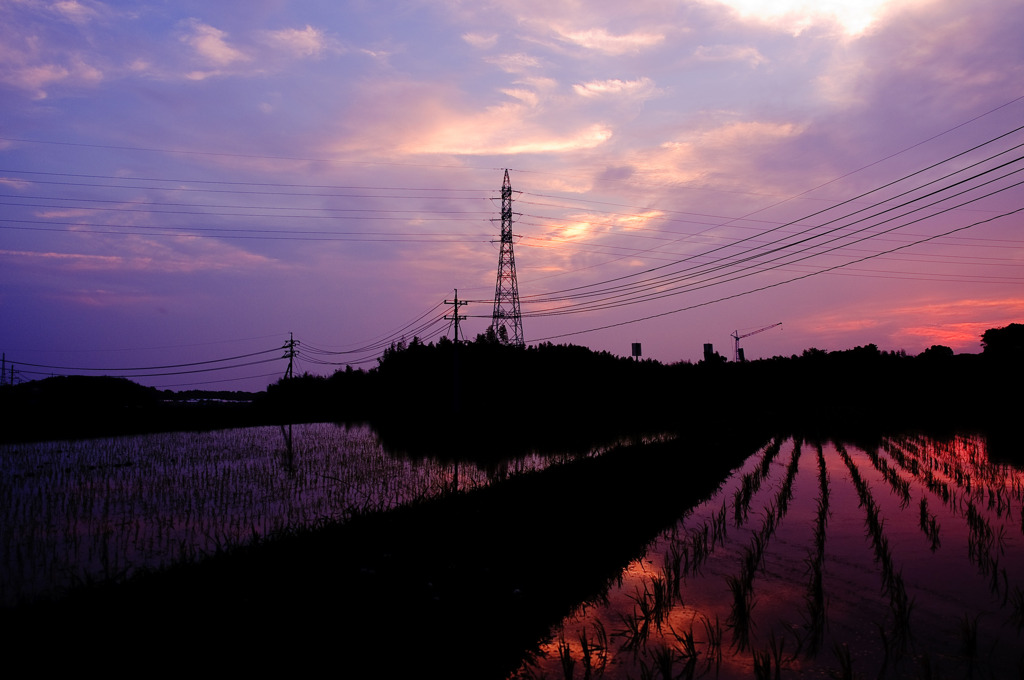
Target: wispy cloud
{"points": [[134, 254], [212, 51], [15, 183], [515, 63], [482, 41], [78, 12], [305, 42], [29, 63], [641, 88], [601, 40], [721, 53]]}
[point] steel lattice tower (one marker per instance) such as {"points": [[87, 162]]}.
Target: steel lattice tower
{"points": [[506, 321]]}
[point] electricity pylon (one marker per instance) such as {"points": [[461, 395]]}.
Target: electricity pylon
{"points": [[506, 321]]}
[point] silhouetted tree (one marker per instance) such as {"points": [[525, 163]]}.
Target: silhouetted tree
{"points": [[937, 352], [1004, 343]]}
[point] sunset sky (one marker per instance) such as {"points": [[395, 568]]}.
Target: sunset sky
{"points": [[186, 182]]}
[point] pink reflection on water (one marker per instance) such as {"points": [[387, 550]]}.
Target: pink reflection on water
{"points": [[919, 589]]}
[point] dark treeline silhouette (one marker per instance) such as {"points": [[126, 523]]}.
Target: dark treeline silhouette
{"points": [[486, 393], [474, 398]]}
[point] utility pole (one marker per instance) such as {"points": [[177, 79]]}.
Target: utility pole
{"points": [[455, 312], [506, 321], [456, 400], [290, 354]]}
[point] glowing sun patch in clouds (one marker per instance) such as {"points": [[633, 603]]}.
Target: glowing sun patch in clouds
{"points": [[854, 16]]}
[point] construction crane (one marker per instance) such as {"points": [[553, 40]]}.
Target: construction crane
{"points": [[738, 354]]}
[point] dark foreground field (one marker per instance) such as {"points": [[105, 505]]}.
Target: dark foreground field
{"points": [[462, 586]]}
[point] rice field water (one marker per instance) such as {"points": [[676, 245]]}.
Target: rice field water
{"points": [[822, 559], [80, 511]]}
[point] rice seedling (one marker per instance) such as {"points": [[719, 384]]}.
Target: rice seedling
{"points": [[657, 601], [929, 525], [770, 658], [1017, 601], [697, 550], [845, 660], [969, 641], [687, 640], [762, 664], [718, 527], [900, 486], [566, 658], [672, 566], [713, 634], [786, 491], [637, 630], [886, 649], [593, 650], [751, 483], [901, 608], [688, 654], [815, 599], [740, 621], [663, 663], [741, 502]]}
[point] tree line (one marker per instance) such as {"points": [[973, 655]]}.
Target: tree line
{"points": [[484, 390]]}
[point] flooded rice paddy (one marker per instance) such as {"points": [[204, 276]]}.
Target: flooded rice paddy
{"points": [[904, 559], [95, 509]]}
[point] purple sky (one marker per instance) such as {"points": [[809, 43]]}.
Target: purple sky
{"points": [[191, 181]]}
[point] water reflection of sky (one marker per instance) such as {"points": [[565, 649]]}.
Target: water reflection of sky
{"points": [[892, 605]]}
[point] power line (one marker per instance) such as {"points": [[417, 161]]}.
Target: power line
{"points": [[551, 295], [659, 293], [775, 284], [151, 368], [786, 242]]}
